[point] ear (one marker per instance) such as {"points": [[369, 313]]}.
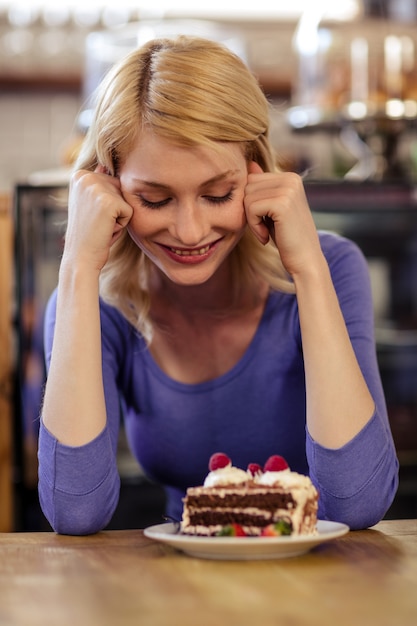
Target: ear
{"points": [[102, 169]]}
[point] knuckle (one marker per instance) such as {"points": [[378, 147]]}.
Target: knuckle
{"points": [[293, 178]]}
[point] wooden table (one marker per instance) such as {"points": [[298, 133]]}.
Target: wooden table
{"points": [[121, 578]]}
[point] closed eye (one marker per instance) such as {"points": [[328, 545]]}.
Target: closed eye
{"points": [[219, 199], [158, 204], [154, 205]]}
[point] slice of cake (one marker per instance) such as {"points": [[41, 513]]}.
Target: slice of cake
{"points": [[269, 501]]}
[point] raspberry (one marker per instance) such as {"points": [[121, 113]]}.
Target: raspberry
{"points": [[275, 463], [232, 530], [218, 460], [254, 468]]}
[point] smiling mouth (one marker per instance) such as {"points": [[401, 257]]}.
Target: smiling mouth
{"points": [[195, 252]]}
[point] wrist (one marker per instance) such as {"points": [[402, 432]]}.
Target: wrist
{"points": [[312, 275], [75, 268], [78, 277]]}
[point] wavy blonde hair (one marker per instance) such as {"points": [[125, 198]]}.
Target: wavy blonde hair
{"points": [[191, 91]]}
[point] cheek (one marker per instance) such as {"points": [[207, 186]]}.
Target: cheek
{"points": [[143, 224], [237, 217], [140, 229], [141, 239]]}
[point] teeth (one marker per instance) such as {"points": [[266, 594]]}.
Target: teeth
{"points": [[191, 252]]}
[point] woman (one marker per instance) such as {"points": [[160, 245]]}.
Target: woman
{"points": [[195, 293]]}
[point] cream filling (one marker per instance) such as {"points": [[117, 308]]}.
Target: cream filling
{"points": [[191, 252]]}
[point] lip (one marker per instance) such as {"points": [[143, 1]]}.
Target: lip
{"points": [[190, 256]]}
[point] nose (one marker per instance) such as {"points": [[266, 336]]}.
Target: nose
{"points": [[190, 226]]}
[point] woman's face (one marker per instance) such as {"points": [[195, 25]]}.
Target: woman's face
{"points": [[188, 211]]}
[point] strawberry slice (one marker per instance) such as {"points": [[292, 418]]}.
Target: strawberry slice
{"points": [[277, 529], [232, 530]]}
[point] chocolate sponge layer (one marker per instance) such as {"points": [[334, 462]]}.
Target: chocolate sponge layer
{"points": [[225, 517], [247, 507], [264, 501]]}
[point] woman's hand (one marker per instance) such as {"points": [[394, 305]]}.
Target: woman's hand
{"points": [[276, 206], [97, 216]]}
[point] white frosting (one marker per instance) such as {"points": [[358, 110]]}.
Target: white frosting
{"points": [[228, 475], [270, 478], [286, 478]]}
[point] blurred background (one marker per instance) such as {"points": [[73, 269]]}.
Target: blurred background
{"points": [[341, 78]]}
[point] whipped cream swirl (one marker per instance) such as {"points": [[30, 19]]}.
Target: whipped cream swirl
{"points": [[228, 475]]}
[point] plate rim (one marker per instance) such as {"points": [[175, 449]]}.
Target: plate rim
{"points": [[164, 532]]}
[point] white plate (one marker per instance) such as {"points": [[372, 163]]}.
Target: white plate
{"points": [[245, 548]]}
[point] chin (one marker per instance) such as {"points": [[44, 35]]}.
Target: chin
{"points": [[191, 275], [189, 279]]}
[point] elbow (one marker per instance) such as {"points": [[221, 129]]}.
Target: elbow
{"points": [[78, 523], [364, 509], [77, 515]]}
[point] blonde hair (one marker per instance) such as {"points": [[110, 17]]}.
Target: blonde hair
{"points": [[191, 91]]}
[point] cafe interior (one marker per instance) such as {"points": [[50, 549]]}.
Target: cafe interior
{"points": [[341, 79]]}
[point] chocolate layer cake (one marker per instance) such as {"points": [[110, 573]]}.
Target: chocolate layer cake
{"points": [[266, 502]]}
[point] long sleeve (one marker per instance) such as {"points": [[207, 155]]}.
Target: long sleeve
{"points": [[79, 486], [358, 481]]}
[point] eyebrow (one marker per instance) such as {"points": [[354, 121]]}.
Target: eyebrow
{"points": [[210, 181]]}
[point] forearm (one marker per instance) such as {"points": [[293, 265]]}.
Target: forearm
{"points": [[339, 403], [74, 406]]}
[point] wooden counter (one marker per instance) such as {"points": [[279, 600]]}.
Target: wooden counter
{"points": [[122, 578]]}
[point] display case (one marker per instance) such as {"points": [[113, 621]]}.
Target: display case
{"points": [[39, 215], [5, 363]]}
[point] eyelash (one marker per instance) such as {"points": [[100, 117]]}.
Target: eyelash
{"points": [[161, 203], [153, 205], [220, 199]]}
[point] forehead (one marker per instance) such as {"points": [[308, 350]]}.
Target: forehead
{"points": [[151, 151]]}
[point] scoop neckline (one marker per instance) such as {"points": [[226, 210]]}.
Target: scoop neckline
{"points": [[218, 380]]}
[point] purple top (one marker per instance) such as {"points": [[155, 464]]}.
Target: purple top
{"points": [[253, 411]]}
